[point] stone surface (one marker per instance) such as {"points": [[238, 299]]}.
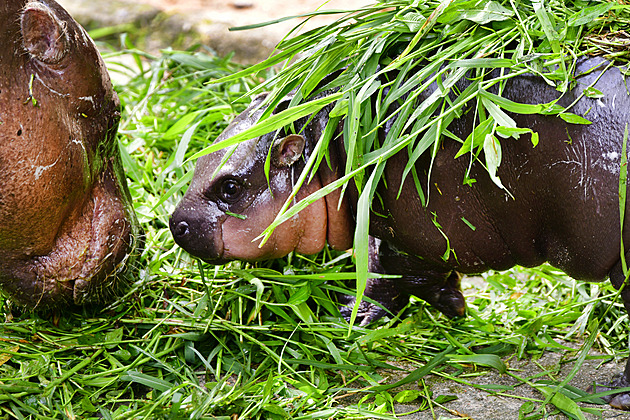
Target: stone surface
{"points": [[477, 404]]}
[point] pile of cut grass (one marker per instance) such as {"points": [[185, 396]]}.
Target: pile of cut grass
{"points": [[265, 340]]}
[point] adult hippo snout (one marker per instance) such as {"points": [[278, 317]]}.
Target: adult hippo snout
{"points": [[67, 227]]}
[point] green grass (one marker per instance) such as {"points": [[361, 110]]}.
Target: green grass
{"points": [[266, 340], [190, 340]]}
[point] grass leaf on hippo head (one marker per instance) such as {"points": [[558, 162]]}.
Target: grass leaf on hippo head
{"points": [[274, 122]]}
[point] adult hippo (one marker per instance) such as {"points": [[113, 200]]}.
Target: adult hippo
{"points": [[66, 223], [562, 206]]}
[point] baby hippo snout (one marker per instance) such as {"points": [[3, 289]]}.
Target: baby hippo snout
{"points": [[201, 238]]}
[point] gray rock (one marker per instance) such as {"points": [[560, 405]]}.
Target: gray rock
{"points": [[478, 404]]}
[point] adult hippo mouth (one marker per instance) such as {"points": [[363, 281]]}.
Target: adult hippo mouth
{"points": [[87, 261], [67, 226]]}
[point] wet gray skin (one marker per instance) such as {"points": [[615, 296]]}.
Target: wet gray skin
{"points": [[66, 223], [563, 208]]}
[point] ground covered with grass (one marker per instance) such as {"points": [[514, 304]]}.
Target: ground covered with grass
{"points": [[195, 341]]}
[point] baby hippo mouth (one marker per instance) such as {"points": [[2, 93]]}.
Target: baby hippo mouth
{"points": [[89, 259]]}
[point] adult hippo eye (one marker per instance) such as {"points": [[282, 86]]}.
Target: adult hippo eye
{"points": [[230, 190]]}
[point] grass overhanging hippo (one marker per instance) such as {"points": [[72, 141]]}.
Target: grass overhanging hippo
{"points": [[66, 223], [564, 207]]}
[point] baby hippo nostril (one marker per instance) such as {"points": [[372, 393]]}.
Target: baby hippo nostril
{"points": [[181, 229]]}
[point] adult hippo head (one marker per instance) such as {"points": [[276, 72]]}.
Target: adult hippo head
{"points": [[66, 224], [562, 206]]}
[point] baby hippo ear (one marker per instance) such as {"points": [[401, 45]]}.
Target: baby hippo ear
{"points": [[287, 151]]}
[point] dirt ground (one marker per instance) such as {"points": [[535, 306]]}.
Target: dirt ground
{"points": [[182, 23], [247, 12]]}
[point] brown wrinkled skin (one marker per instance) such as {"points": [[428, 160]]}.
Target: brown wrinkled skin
{"points": [[66, 225]]}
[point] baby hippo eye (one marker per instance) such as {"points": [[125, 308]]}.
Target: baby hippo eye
{"points": [[230, 189]]}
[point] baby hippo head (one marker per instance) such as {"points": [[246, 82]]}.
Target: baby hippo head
{"points": [[232, 198]]}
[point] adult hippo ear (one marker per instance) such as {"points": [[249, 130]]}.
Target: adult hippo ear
{"points": [[44, 36], [286, 151]]}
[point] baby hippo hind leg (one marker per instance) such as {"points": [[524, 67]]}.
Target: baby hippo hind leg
{"points": [[441, 290]]}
